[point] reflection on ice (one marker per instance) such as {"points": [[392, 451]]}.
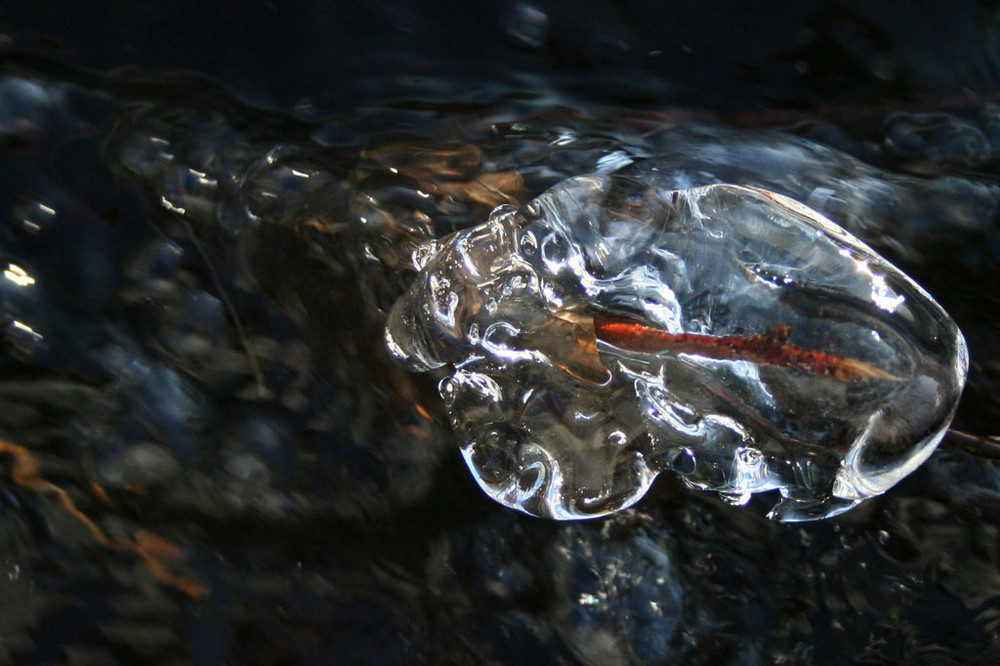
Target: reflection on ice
{"points": [[614, 328]]}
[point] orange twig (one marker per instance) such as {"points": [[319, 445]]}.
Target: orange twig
{"points": [[768, 348]]}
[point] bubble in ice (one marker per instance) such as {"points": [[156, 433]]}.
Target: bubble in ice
{"points": [[613, 329]]}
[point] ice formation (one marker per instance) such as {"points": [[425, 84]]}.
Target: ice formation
{"points": [[614, 328]]}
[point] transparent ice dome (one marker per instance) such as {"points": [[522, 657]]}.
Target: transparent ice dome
{"points": [[612, 329]]}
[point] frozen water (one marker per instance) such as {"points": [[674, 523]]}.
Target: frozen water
{"points": [[614, 328]]}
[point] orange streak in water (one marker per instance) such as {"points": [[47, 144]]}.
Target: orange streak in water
{"points": [[150, 548]]}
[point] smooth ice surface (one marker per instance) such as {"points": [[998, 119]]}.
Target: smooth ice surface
{"points": [[614, 328]]}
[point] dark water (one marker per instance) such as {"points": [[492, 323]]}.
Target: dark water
{"points": [[209, 458]]}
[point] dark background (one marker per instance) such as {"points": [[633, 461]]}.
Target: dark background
{"points": [[401, 559], [728, 56]]}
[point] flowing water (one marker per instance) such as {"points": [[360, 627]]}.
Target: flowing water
{"points": [[208, 453]]}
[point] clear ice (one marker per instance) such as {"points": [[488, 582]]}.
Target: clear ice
{"points": [[614, 328]]}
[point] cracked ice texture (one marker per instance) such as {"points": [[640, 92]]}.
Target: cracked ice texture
{"points": [[556, 423]]}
